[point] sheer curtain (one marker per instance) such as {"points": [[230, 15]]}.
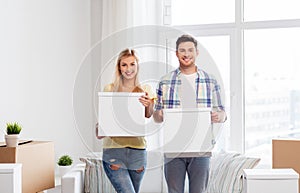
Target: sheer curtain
{"points": [[116, 25], [110, 16]]}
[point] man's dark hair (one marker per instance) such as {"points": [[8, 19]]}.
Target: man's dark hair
{"points": [[186, 38]]}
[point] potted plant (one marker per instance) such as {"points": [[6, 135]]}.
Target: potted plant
{"points": [[64, 164], [12, 134]]}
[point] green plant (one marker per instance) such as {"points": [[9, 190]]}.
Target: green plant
{"points": [[65, 160], [13, 128]]}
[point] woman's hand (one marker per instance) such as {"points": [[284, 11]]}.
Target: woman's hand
{"points": [[145, 100], [98, 137], [148, 103]]}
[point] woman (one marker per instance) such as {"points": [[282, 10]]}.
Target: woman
{"points": [[124, 158]]}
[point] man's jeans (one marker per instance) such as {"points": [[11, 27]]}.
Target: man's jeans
{"points": [[197, 169], [125, 168]]}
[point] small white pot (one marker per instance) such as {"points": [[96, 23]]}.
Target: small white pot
{"points": [[12, 140], [63, 170]]}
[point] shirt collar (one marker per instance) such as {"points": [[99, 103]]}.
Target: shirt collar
{"points": [[178, 71]]}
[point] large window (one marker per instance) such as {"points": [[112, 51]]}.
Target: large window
{"points": [[272, 88], [264, 65], [219, 49], [258, 10], [191, 12]]}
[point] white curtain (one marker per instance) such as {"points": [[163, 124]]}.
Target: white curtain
{"points": [[110, 16], [113, 28], [120, 24]]}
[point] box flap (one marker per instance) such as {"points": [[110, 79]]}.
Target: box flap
{"points": [[257, 174]]}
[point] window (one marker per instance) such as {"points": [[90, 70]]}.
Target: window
{"points": [[258, 10], [190, 12], [219, 49], [271, 84], [263, 66]]}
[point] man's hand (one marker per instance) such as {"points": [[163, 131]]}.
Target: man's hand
{"points": [[158, 116], [218, 117]]}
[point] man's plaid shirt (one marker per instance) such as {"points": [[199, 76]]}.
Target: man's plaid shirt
{"points": [[169, 91]]}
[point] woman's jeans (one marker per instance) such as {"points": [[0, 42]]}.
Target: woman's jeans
{"points": [[125, 168], [197, 169]]}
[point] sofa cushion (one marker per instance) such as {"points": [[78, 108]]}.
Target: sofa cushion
{"points": [[95, 179], [226, 172]]}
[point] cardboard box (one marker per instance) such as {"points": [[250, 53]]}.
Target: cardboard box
{"points": [[187, 130], [286, 154], [37, 159], [121, 114], [270, 181]]}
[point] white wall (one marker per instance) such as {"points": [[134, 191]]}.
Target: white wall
{"points": [[45, 57], [42, 46]]}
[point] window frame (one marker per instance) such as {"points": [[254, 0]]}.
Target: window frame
{"points": [[237, 83]]}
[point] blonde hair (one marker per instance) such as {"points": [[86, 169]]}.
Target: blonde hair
{"points": [[117, 84]]}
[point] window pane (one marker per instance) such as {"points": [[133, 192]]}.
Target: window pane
{"points": [[219, 49], [257, 10], [190, 12], [272, 89]]}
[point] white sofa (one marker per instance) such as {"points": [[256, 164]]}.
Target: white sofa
{"points": [[90, 177]]}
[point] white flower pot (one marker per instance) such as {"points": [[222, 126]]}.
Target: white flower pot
{"points": [[12, 140], [63, 170]]}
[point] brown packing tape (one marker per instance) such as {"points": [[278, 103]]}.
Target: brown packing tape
{"points": [[21, 142]]}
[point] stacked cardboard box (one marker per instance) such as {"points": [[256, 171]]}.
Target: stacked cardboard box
{"points": [[37, 159], [286, 154]]}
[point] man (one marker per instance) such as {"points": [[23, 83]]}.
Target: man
{"points": [[188, 87]]}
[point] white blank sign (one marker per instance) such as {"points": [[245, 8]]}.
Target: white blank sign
{"points": [[121, 114], [187, 130]]}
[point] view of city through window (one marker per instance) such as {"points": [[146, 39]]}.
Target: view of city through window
{"points": [[202, 12], [272, 89], [271, 66]]}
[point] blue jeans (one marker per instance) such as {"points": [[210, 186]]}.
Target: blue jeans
{"points": [[197, 169], [125, 168]]}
